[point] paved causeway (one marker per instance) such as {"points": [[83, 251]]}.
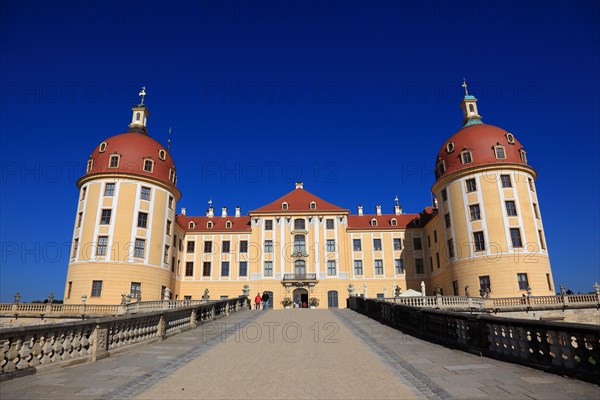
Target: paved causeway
{"points": [[295, 354]]}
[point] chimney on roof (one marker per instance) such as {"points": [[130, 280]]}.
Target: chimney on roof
{"points": [[397, 209], [183, 210], [360, 212], [378, 208], [224, 212], [299, 185], [238, 211]]}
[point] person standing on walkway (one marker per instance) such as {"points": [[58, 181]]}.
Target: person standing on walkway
{"points": [[257, 301], [265, 300]]}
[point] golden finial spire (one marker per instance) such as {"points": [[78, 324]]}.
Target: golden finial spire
{"points": [[169, 140], [464, 84], [396, 199], [142, 94]]}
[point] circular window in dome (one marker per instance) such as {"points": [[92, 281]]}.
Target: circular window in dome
{"points": [[450, 147], [510, 138], [102, 148], [162, 154]]}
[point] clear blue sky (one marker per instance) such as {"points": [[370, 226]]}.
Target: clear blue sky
{"points": [[353, 98]]}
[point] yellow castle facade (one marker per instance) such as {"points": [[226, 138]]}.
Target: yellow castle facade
{"points": [[483, 235]]}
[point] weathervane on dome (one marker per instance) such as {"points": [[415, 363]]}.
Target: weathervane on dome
{"points": [[143, 94], [464, 84], [169, 140], [396, 199]]}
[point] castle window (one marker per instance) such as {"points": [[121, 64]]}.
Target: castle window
{"points": [[268, 268], [505, 179], [268, 225], [162, 154], [530, 182], [523, 281], [329, 223], [479, 241], [102, 148], [484, 284], [109, 189], [209, 225], [536, 212], [299, 223], [243, 268], [377, 244], [447, 220], [243, 246], [373, 222], [191, 225], [399, 265], [75, 247], [206, 268], [397, 244], [444, 195], [148, 165], [90, 164], [171, 202], [105, 218], [190, 247], [450, 147], [168, 230], [80, 217], [475, 212], [523, 156], [189, 268], [356, 244], [466, 157], [442, 167], [208, 246], [142, 221], [394, 222], [114, 161], [228, 224], [96, 288], [140, 248], [471, 185], [313, 205], [541, 236], [417, 245], [299, 244], [450, 248], [500, 153], [378, 267], [471, 108], [511, 209], [83, 192], [284, 206], [331, 245], [137, 116], [420, 269], [515, 237], [145, 193], [226, 246], [166, 255], [268, 246], [510, 138], [358, 267]]}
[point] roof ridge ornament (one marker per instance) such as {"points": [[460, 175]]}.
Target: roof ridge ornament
{"points": [[142, 94], [464, 84]]}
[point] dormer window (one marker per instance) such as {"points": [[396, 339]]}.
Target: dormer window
{"points": [[102, 148], [510, 138], [209, 225], [450, 147], [466, 157], [418, 222], [228, 224], [162, 154], [394, 222], [373, 222], [442, 167], [523, 154], [90, 164], [148, 165], [191, 225], [172, 175], [114, 161], [500, 152], [313, 205], [284, 206]]}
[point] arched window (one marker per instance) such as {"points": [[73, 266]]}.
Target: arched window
{"points": [[471, 108], [137, 116], [191, 225], [332, 299], [373, 222], [299, 244], [162, 154], [90, 164], [394, 222], [114, 161], [299, 223], [209, 225], [284, 206], [523, 156], [102, 147], [228, 224], [313, 205], [300, 267]]}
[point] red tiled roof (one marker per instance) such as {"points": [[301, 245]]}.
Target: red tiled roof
{"points": [[480, 139], [238, 224], [383, 221], [133, 147], [299, 200]]}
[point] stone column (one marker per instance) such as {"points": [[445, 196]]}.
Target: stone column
{"points": [[100, 342]]}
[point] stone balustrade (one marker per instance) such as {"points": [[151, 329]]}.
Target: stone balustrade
{"points": [[564, 348], [444, 302], [27, 348], [558, 301]]}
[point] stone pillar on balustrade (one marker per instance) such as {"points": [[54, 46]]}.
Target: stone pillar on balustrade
{"points": [[100, 342]]}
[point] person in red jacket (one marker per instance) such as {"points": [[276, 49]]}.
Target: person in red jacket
{"points": [[257, 301]]}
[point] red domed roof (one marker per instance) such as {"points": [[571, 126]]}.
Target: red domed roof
{"points": [[480, 139], [133, 149]]}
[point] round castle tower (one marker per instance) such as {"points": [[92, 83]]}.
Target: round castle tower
{"points": [[123, 234], [489, 213]]}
